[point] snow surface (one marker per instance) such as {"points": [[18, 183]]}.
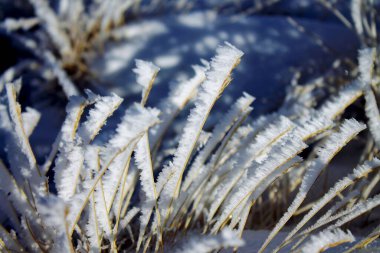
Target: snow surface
{"points": [[272, 49], [254, 238]]}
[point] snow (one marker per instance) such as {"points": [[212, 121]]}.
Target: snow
{"points": [[174, 43], [254, 238]]}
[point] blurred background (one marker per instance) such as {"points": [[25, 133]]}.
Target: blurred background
{"points": [[284, 41]]}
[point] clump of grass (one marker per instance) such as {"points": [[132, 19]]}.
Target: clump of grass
{"points": [[207, 188], [131, 190]]}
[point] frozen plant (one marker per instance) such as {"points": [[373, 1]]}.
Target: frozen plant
{"points": [[211, 188]]}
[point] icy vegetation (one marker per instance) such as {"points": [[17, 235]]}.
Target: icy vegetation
{"points": [[177, 175]]}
